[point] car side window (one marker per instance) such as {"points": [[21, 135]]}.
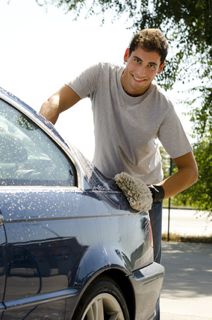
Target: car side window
{"points": [[28, 156]]}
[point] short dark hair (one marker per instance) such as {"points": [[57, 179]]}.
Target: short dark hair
{"points": [[151, 40]]}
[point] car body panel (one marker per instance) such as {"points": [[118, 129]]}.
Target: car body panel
{"points": [[56, 240], [50, 240]]}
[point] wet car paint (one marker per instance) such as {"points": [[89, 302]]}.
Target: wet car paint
{"points": [[50, 241], [56, 240]]}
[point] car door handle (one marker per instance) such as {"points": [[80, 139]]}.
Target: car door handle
{"points": [[1, 219]]}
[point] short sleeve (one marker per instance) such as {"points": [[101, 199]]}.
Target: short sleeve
{"points": [[172, 135], [86, 83]]}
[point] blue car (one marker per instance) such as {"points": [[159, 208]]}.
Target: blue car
{"points": [[71, 248]]}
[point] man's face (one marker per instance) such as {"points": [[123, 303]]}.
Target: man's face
{"points": [[141, 68]]}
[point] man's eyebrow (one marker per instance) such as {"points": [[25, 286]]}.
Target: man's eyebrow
{"points": [[150, 62], [153, 63], [137, 58]]}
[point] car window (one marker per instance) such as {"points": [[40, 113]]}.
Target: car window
{"points": [[28, 156]]}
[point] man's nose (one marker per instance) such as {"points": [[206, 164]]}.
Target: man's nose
{"points": [[141, 70]]}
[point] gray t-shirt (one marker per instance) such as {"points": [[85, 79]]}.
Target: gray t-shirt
{"points": [[126, 128]]}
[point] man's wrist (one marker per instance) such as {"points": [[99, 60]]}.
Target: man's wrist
{"points": [[157, 193]]}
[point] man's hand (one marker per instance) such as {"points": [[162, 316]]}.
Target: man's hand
{"points": [[135, 190]]}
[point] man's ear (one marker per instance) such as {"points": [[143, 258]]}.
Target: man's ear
{"points": [[161, 67], [126, 55]]}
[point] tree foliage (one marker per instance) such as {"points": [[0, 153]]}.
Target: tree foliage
{"points": [[200, 195]]}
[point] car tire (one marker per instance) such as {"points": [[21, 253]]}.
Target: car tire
{"points": [[103, 300]]}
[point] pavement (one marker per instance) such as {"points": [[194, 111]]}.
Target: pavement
{"points": [[187, 223], [187, 289]]}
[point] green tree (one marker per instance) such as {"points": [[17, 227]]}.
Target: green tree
{"points": [[200, 195]]}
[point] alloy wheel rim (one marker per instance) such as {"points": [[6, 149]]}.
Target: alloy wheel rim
{"points": [[103, 306]]}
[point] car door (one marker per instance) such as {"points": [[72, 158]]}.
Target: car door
{"points": [[38, 201]]}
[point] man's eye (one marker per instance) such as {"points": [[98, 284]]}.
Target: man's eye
{"points": [[152, 67], [139, 61]]}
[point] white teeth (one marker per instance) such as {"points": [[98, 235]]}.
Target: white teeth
{"points": [[137, 79]]}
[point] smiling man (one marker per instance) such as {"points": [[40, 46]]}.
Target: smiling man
{"points": [[142, 67], [131, 114]]}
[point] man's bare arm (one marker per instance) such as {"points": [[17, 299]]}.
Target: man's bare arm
{"points": [[185, 177], [59, 102]]}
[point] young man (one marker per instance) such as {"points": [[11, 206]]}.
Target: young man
{"points": [[130, 114]]}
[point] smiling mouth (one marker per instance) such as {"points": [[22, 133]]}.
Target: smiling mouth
{"points": [[140, 80]]}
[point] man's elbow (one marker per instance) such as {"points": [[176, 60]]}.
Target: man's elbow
{"points": [[194, 175], [193, 170]]}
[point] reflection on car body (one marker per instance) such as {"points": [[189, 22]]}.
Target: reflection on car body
{"points": [[68, 239]]}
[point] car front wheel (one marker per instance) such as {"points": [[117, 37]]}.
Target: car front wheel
{"points": [[102, 301]]}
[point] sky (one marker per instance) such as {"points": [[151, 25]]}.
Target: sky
{"points": [[42, 48]]}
